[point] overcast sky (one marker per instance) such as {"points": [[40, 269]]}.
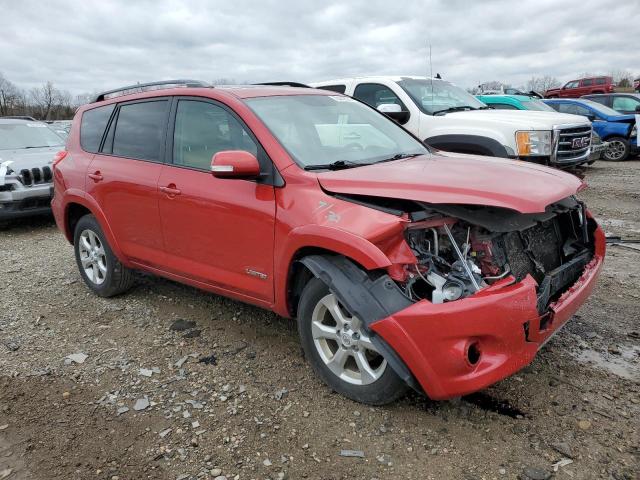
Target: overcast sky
{"points": [[84, 46]]}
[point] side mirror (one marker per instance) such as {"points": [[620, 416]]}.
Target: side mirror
{"points": [[638, 108], [394, 111], [389, 108], [591, 117], [235, 164]]}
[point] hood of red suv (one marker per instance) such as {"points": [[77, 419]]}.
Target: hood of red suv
{"points": [[457, 179]]}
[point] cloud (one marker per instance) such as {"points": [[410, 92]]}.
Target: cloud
{"points": [[87, 46]]}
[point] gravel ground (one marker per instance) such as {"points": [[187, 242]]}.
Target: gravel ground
{"points": [[181, 384]]}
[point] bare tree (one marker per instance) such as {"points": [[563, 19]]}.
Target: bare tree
{"points": [[623, 78], [542, 84], [10, 97], [44, 99]]}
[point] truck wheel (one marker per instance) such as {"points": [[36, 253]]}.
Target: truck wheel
{"points": [[618, 149], [340, 351], [100, 269]]}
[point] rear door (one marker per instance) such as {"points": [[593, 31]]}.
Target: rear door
{"points": [[216, 231], [586, 87], [123, 178]]}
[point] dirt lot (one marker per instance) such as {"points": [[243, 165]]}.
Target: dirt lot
{"points": [[254, 409]]}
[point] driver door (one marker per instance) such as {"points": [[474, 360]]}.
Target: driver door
{"points": [[216, 231]]}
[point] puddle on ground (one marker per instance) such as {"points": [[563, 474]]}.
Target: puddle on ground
{"points": [[487, 402], [625, 365]]}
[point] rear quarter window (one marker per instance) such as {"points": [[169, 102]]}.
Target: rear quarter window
{"points": [[92, 127]]}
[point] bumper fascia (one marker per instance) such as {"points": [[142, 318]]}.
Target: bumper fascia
{"points": [[25, 202], [433, 339]]}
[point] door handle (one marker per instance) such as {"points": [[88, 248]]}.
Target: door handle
{"points": [[96, 176], [351, 136], [170, 190]]}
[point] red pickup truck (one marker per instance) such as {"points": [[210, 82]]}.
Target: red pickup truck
{"points": [[582, 86]]}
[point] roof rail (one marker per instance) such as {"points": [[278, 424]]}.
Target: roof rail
{"points": [[145, 87], [19, 117], [285, 84]]}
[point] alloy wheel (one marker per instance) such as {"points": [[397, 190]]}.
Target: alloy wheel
{"points": [[343, 345], [93, 257], [615, 151]]}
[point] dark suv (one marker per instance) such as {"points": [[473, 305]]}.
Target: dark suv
{"points": [[626, 103], [399, 269]]}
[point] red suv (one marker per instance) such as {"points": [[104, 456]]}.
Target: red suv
{"points": [[402, 265], [583, 86]]}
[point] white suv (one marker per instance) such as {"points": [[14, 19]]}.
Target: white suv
{"points": [[448, 118]]}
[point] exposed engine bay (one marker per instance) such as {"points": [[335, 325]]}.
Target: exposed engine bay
{"points": [[462, 249]]}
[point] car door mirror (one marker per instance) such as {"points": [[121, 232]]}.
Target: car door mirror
{"points": [[235, 164], [638, 108], [591, 117], [394, 111]]}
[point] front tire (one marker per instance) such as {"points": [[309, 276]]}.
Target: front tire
{"points": [[618, 149], [339, 349], [100, 269]]}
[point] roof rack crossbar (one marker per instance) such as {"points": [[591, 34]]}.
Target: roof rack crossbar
{"points": [[143, 87]]}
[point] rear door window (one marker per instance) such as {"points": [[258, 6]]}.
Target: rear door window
{"points": [[601, 81], [587, 82], [573, 109], [140, 129], [601, 100], [92, 127]]}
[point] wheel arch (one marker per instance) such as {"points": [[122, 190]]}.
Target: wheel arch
{"points": [[469, 144], [319, 240], [76, 207]]}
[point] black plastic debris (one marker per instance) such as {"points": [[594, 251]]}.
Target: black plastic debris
{"points": [[181, 325], [208, 360]]}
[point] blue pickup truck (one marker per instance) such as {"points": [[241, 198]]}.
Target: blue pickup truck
{"points": [[619, 130]]}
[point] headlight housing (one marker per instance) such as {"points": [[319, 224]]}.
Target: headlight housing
{"points": [[634, 131], [533, 142]]}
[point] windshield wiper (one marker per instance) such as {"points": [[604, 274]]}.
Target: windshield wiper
{"points": [[399, 156], [341, 164], [453, 109], [39, 146], [337, 165]]}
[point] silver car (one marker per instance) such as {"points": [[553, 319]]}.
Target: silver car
{"points": [[27, 148]]}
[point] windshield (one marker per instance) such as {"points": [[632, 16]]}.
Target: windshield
{"points": [[537, 105], [325, 129], [598, 107], [15, 136], [433, 96]]}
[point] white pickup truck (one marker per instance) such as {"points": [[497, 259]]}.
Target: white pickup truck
{"points": [[448, 118]]}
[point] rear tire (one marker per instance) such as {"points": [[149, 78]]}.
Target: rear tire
{"points": [[340, 352], [100, 269], [618, 149]]}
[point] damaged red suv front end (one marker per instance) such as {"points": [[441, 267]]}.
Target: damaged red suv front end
{"points": [[456, 348], [490, 280]]}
